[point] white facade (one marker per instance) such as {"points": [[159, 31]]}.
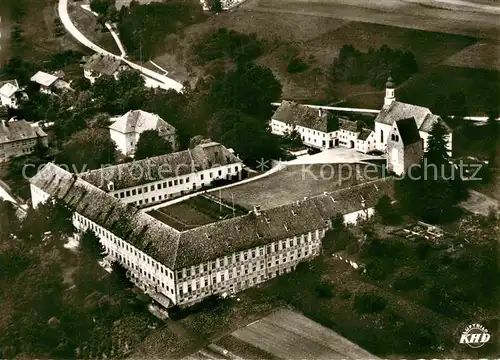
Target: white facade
{"points": [[126, 130], [8, 94], [226, 4], [92, 75], [244, 269], [38, 196], [147, 273], [310, 137], [125, 143], [168, 188], [381, 135], [366, 145]]}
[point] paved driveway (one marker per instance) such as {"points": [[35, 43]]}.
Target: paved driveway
{"points": [[334, 156]]}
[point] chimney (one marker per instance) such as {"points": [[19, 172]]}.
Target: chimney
{"points": [[256, 210]]}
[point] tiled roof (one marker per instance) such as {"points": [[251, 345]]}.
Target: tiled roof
{"points": [[141, 172], [125, 221], [103, 64], [18, 130], [180, 249], [408, 130], [398, 110], [429, 122], [137, 121], [364, 134], [44, 78], [290, 112], [9, 88], [349, 125], [217, 239]]}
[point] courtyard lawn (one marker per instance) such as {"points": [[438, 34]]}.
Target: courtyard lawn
{"points": [[295, 182], [193, 212]]}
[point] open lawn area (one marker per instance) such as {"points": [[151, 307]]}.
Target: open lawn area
{"points": [[38, 31], [193, 212], [295, 182], [86, 22]]}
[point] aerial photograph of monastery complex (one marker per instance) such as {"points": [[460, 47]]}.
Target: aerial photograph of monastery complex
{"points": [[250, 179]]}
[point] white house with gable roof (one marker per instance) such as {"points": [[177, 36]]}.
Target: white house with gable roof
{"points": [[126, 130], [10, 93]]}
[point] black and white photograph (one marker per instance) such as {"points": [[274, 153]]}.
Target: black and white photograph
{"points": [[250, 179]]}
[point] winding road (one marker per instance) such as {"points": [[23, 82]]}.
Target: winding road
{"points": [[152, 78]]}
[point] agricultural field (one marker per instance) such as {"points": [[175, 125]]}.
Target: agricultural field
{"points": [[316, 37], [480, 87], [295, 182], [193, 212], [286, 334], [482, 55]]}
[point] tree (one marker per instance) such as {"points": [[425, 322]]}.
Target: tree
{"points": [[9, 222], [101, 6], [338, 222], [437, 146], [250, 89], [369, 302], [386, 211], [81, 84], [151, 144], [88, 149], [435, 187], [247, 135], [90, 246], [296, 65], [216, 6]]}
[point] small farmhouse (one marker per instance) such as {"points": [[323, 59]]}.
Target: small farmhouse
{"points": [[10, 94], [49, 82], [99, 65], [18, 137], [126, 129]]}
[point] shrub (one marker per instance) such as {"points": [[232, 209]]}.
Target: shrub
{"points": [[296, 65], [352, 247], [324, 290], [408, 282], [227, 44], [386, 211], [378, 270], [369, 303], [345, 294]]}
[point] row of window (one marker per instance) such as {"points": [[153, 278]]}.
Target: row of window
{"points": [[246, 255], [145, 189], [124, 245], [165, 184]]}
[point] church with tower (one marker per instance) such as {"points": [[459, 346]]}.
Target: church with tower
{"points": [[402, 131]]}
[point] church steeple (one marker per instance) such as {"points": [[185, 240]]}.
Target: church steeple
{"points": [[389, 93]]}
